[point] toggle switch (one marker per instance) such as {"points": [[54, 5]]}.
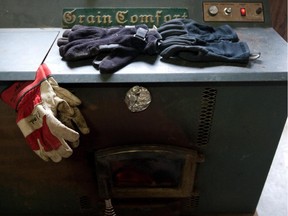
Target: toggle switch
{"points": [[228, 10], [243, 11]]}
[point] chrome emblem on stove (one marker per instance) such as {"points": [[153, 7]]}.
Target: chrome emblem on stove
{"points": [[137, 99]]}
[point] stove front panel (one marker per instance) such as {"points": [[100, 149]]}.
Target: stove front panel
{"points": [[235, 126]]}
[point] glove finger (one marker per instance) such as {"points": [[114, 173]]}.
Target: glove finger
{"points": [[85, 50], [94, 32], [171, 51], [175, 22], [74, 144], [40, 151], [117, 60], [87, 32], [180, 41], [68, 122], [167, 28], [63, 107], [174, 50], [222, 51], [69, 111], [66, 33], [197, 54], [51, 155], [169, 33], [37, 144], [80, 122], [74, 29], [47, 146], [75, 46], [98, 59], [175, 26], [64, 151], [60, 130], [77, 118], [67, 96], [62, 41], [63, 93], [67, 114]]}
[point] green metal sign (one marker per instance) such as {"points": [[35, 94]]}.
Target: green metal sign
{"points": [[105, 17]]}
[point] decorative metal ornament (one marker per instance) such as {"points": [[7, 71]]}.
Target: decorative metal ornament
{"points": [[137, 99]]}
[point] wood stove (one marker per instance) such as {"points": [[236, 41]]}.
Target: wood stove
{"points": [[199, 141]]}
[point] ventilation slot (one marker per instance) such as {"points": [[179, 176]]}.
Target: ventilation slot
{"points": [[85, 202], [194, 201], [191, 204], [206, 115]]}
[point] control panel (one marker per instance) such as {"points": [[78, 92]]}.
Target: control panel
{"points": [[233, 12]]}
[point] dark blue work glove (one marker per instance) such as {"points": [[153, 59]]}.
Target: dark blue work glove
{"points": [[191, 29], [188, 40]]}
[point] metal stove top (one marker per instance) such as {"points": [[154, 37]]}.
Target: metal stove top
{"points": [[250, 20]]}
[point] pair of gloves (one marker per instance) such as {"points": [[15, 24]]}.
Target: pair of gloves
{"points": [[114, 48], [47, 115]]}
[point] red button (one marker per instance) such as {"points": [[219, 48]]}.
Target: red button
{"points": [[243, 11]]}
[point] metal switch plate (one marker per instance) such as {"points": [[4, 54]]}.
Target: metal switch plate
{"points": [[233, 12]]}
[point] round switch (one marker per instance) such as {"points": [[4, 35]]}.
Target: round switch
{"points": [[259, 10], [213, 10]]}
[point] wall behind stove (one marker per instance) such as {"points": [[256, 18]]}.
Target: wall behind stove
{"points": [[45, 13], [278, 10], [36, 13]]}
